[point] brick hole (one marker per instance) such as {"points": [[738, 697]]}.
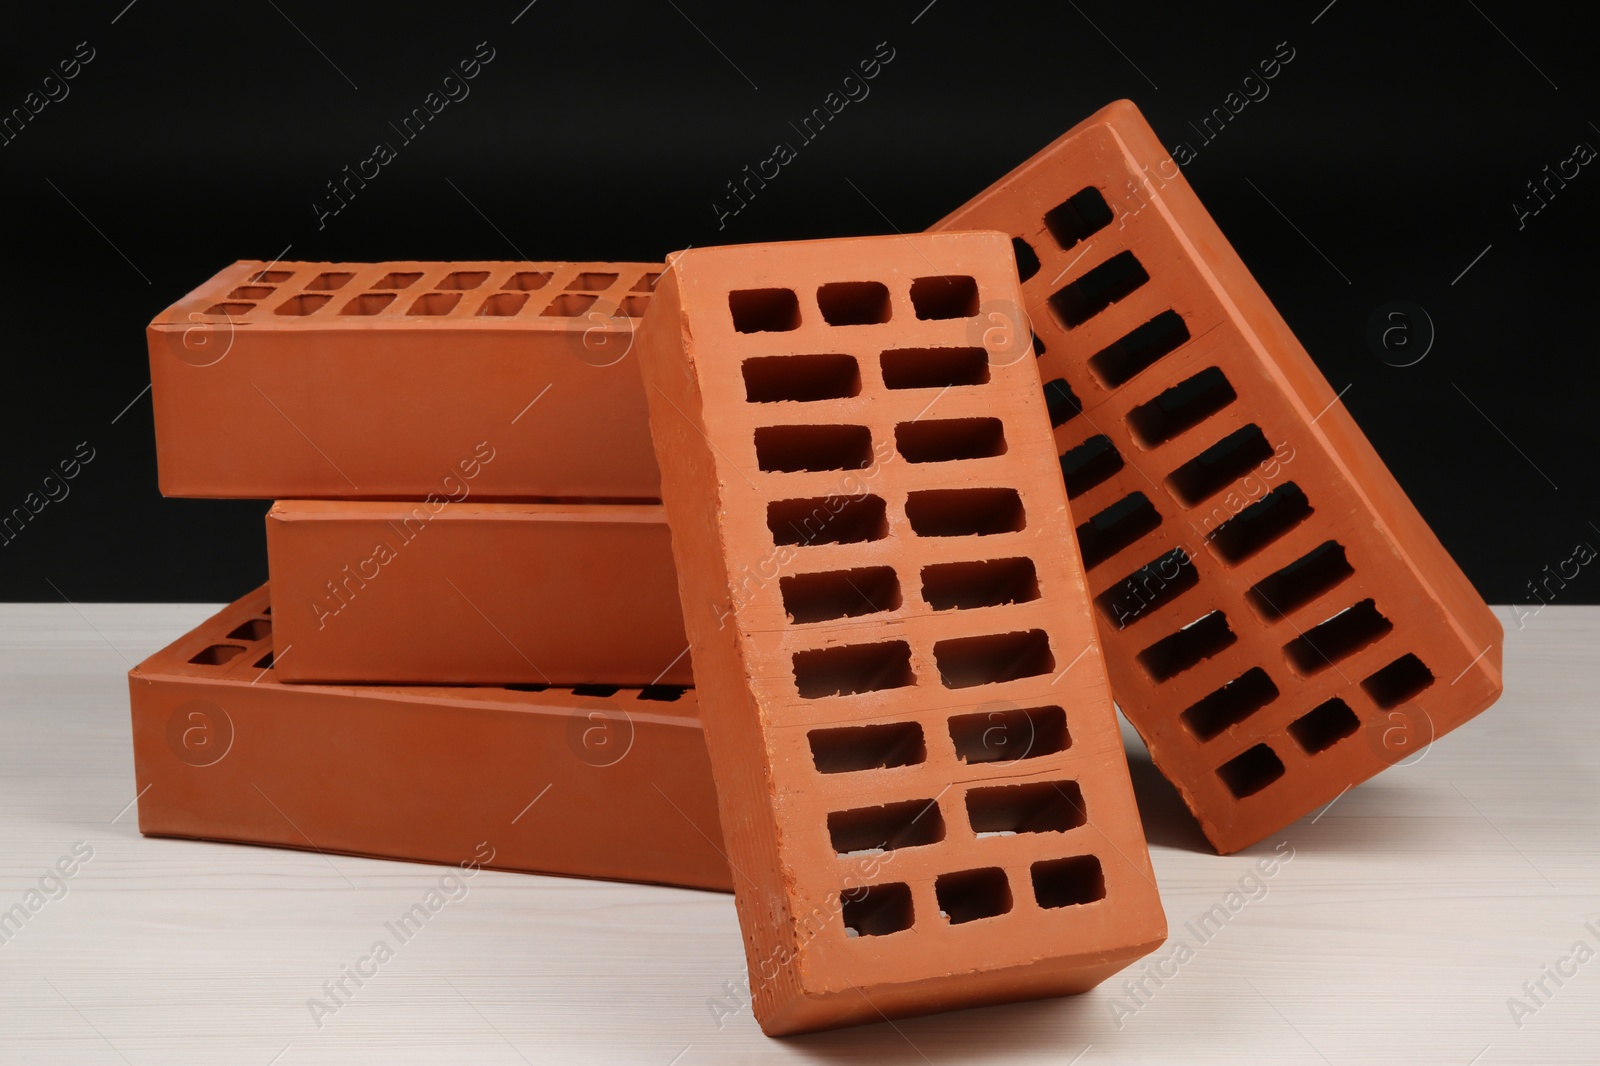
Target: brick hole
{"points": [[434, 303], [266, 610], [964, 512], [972, 894], [954, 296], [593, 281], [1219, 465], [368, 303], [462, 280], [647, 283], [1302, 581], [596, 690], [965, 585], [1324, 726], [270, 277], [853, 303], [1337, 638], [1251, 772], [230, 310], [265, 662], [568, 305], [1078, 301], [254, 629], [662, 693], [1038, 345], [792, 449], [949, 440], [527, 686], [1255, 527], [1088, 464], [333, 279], [1148, 588], [853, 668], [1230, 704], [833, 594], [1060, 402], [870, 830], [801, 378], [1115, 528], [820, 521], [252, 292], [503, 304], [400, 279], [1068, 882], [1188, 647], [876, 911], [1078, 216], [1027, 258], [764, 310], [304, 304], [850, 749], [217, 655], [1181, 407], [633, 306], [1009, 734], [990, 660], [1398, 682], [527, 280], [934, 368], [1118, 363], [1035, 807]]}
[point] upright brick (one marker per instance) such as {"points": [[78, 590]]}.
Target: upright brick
{"points": [[405, 380], [923, 790], [586, 781], [1279, 622]]}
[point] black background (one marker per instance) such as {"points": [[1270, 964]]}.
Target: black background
{"points": [[1394, 146]]}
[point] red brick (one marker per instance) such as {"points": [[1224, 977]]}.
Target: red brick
{"points": [[397, 380], [875, 560], [1257, 716], [475, 593], [224, 751]]}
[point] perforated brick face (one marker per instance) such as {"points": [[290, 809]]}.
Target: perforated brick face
{"points": [[918, 765], [1278, 621]]}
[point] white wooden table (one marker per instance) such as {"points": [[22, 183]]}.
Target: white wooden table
{"points": [[1411, 913]]}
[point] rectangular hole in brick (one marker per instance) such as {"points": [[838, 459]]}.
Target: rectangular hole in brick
{"points": [[1027, 258], [1068, 882], [1247, 774], [1060, 402], [989, 660], [934, 368], [217, 655], [1302, 581], [1219, 465], [1181, 407], [1230, 704], [828, 520], [503, 304], [634, 306], [853, 303], [949, 440], [876, 911], [527, 280], [596, 690], [329, 281], [1078, 301], [399, 279], [254, 629], [647, 283], [953, 296], [1088, 464], [972, 894], [569, 305], [853, 668], [1398, 682], [1117, 527], [271, 277], [1148, 588], [1247, 532], [527, 686], [867, 747], [1189, 646], [764, 310], [1337, 638], [265, 662], [796, 448], [964, 512], [1038, 345], [369, 303], [801, 378], [593, 281], [840, 593], [662, 693], [1008, 734], [908, 824], [435, 303], [252, 292], [229, 310], [1324, 726], [304, 304], [1078, 216], [959, 586], [1119, 362], [1035, 807], [463, 279]]}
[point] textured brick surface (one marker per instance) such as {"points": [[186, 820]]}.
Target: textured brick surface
{"points": [[924, 793], [1278, 621], [400, 380], [480, 593], [224, 751]]}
